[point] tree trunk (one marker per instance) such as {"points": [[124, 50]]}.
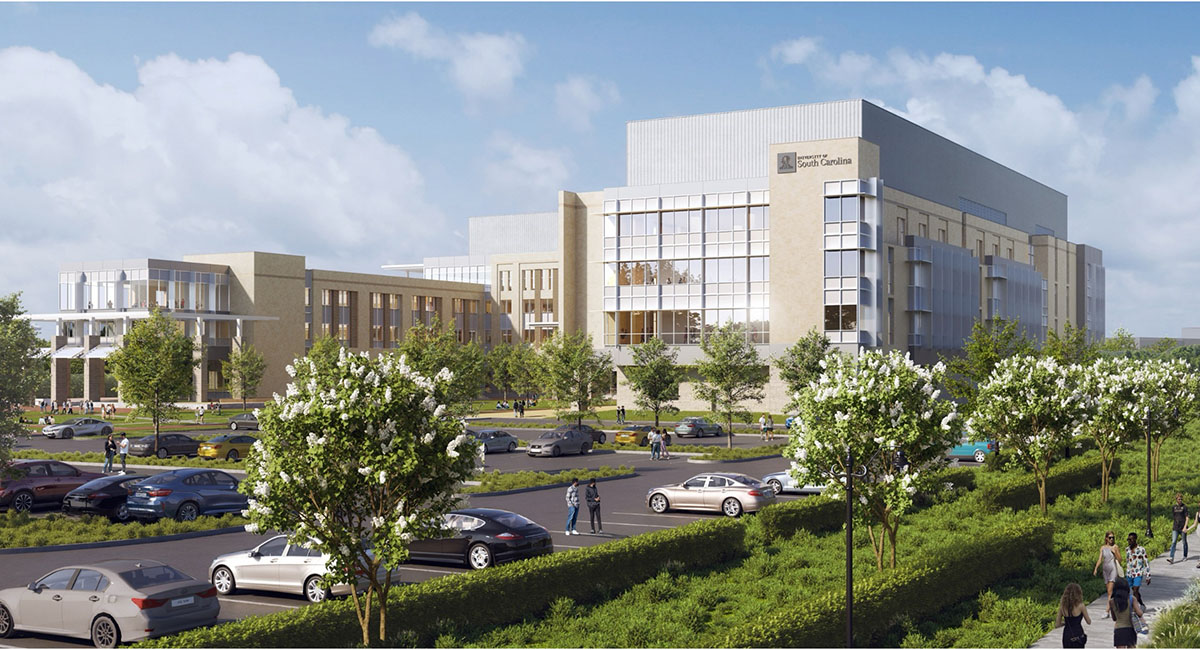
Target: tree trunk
{"points": [[363, 621], [656, 418], [877, 546], [383, 600], [892, 531], [729, 432], [1104, 469], [1041, 486]]}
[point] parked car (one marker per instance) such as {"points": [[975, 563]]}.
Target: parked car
{"points": [[560, 441], [230, 446], [33, 482], [495, 440], [635, 434], [103, 496], [698, 427], [185, 494], [782, 482], [276, 565], [243, 421], [731, 494], [483, 537], [595, 434], [976, 451], [110, 602], [77, 427], [169, 444]]}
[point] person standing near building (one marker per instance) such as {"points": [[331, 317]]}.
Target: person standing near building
{"points": [[762, 427], [572, 506], [110, 450], [123, 450], [592, 496], [770, 427]]}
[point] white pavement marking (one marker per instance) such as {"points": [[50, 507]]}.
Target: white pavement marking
{"points": [[557, 546], [413, 568], [621, 523], [651, 514], [255, 602]]}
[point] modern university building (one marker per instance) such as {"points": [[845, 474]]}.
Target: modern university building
{"points": [[839, 216]]}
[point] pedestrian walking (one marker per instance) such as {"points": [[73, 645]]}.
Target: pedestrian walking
{"points": [[1122, 607], [1071, 611], [655, 444], [770, 427], [592, 497], [572, 506], [665, 451], [1109, 559], [762, 427], [123, 450], [1137, 568], [110, 450]]}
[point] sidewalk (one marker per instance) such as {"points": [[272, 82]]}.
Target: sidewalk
{"points": [[1167, 584]]}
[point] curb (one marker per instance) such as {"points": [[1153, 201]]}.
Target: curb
{"points": [[599, 479], [122, 542], [708, 461]]}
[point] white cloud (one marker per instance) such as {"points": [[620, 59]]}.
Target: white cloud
{"points": [[482, 66], [203, 156], [579, 97], [794, 51], [1126, 169], [526, 176]]}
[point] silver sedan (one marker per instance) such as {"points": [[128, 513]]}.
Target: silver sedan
{"points": [[728, 493], [78, 427], [276, 565], [783, 482], [110, 602]]}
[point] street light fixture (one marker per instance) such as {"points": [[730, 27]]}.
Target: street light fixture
{"points": [[849, 475]]}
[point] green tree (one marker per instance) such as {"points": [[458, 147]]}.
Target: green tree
{"points": [[988, 345], [524, 366], [655, 377], [357, 461], [800, 363], [500, 374], [154, 366], [1114, 420], [21, 371], [573, 373], [324, 353], [243, 371], [429, 348], [1120, 344], [1167, 401], [731, 373], [1071, 347], [1161, 348]]}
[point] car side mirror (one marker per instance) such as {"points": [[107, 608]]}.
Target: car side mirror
{"points": [[35, 587], [686, 486], [254, 554]]}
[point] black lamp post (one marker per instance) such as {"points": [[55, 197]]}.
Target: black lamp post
{"points": [[849, 475], [1149, 531]]}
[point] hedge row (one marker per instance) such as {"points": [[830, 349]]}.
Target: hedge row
{"points": [[504, 594], [881, 600], [1019, 490]]}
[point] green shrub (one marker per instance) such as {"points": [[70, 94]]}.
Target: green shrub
{"points": [[420, 614], [1179, 626], [19, 530], [97, 457], [920, 589], [495, 481], [814, 514], [738, 453], [947, 484], [1018, 490]]}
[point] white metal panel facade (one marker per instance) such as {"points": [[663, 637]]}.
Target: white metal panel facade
{"points": [[535, 232]]}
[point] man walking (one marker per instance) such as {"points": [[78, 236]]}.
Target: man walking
{"points": [[572, 506], [1179, 517], [592, 496], [123, 450]]}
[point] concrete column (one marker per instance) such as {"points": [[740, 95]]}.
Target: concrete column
{"points": [[60, 372], [93, 371], [200, 373]]}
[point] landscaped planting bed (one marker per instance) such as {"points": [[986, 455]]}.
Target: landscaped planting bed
{"points": [[19, 529], [495, 481], [97, 457]]}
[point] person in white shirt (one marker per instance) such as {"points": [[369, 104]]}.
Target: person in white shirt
{"points": [[123, 450]]}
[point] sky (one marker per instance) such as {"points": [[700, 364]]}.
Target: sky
{"points": [[361, 134]]}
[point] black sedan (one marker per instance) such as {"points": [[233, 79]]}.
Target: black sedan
{"points": [[243, 421], [169, 444], [104, 496], [495, 440], [482, 537]]}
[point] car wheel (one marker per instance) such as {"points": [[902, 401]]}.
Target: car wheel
{"points": [[188, 511], [162, 452], [980, 456], [233, 426], [313, 590], [603, 437], [512, 446], [223, 580], [232, 455], [658, 503], [731, 507], [121, 514], [23, 501], [776, 485], [67, 433], [555, 451], [585, 449], [479, 556], [105, 633], [105, 431], [6, 622]]}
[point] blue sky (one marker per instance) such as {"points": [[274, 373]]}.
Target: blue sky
{"points": [[166, 129]]}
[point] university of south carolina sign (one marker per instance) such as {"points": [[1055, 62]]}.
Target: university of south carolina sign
{"points": [[788, 163]]}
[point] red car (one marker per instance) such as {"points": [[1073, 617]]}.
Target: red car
{"points": [[27, 483]]}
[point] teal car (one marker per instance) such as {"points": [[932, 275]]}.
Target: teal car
{"points": [[976, 451]]}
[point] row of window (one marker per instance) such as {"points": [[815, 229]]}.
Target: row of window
{"points": [[531, 280], [681, 327], [696, 271], [687, 221]]}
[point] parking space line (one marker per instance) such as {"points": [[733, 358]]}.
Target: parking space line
{"points": [[255, 602], [651, 514], [557, 546]]}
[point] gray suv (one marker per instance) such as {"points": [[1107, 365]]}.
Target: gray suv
{"points": [[561, 441]]}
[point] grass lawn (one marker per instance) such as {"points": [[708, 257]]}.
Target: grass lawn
{"points": [[19, 529]]}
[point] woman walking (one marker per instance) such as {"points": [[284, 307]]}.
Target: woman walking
{"points": [[1071, 611], [1121, 608], [1109, 559]]}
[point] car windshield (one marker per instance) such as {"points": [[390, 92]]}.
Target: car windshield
{"points": [[152, 576], [550, 435], [77, 421], [511, 520], [220, 438], [746, 480]]}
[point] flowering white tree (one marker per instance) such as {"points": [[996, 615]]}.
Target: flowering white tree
{"points": [[1114, 419], [356, 460], [883, 415], [1032, 407], [1169, 390]]}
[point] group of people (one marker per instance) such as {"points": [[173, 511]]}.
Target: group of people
{"points": [[113, 448], [67, 407], [518, 406], [660, 441], [766, 425], [591, 496], [620, 415]]}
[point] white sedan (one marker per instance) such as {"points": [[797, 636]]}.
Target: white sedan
{"points": [[783, 482]]}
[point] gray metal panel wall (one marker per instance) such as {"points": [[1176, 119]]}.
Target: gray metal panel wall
{"points": [[513, 233], [720, 146]]}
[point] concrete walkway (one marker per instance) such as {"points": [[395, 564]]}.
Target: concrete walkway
{"points": [[1167, 584]]}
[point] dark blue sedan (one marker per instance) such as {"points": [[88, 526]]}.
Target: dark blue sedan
{"points": [[185, 494]]}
